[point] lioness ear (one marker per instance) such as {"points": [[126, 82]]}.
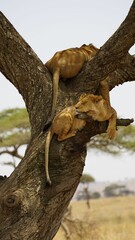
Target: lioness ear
{"points": [[84, 45], [82, 96], [98, 98]]}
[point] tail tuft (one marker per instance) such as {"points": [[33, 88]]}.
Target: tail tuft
{"points": [[47, 125], [48, 183]]}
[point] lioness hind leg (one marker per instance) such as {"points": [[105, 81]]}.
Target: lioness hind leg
{"points": [[65, 136], [111, 130], [78, 124]]}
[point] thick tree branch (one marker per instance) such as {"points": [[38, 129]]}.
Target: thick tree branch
{"points": [[25, 71], [125, 73], [116, 48], [110, 57]]}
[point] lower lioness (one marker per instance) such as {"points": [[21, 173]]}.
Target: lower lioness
{"points": [[66, 124]]}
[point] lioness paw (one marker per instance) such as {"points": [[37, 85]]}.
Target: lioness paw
{"points": [[111, 132]]}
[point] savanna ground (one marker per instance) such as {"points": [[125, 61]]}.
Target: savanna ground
{"points": [[106, 219]]}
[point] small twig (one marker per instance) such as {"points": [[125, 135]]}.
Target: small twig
{"points": [[124, 122]]}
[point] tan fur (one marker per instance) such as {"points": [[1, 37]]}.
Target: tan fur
{"points": [[99, 109], [104, 90], [67, 64], [66, 124]]}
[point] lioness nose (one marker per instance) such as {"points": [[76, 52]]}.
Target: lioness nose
{"points": [[76, 111], [81, 115]]}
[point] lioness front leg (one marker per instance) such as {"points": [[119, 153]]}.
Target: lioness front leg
{"points": [[111, 130], [104, 90]]}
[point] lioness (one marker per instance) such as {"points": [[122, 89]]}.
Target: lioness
{"points": [[99, 109], [67, 64], [66, 124]]}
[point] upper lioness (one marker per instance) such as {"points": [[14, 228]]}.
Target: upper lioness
{"points": [[67, 64]]}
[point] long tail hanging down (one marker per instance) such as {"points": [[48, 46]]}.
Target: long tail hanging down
{"points": [[47, 146], [54, 98], [55, 92]]}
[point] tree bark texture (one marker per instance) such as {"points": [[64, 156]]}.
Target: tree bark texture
{"points": [[29, 209]]}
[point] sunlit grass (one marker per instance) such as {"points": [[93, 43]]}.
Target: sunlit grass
{"points": [[107, 219]]}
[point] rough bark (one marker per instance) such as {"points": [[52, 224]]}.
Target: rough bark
{"points": [[29, 209]]}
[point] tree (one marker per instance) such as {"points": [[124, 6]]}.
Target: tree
{"points": [[28, 208], [113, 190], [14, 132], [125, 140], [86, 179], [85, 193]]}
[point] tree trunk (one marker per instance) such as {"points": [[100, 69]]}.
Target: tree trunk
{"points": [[28, 208]]}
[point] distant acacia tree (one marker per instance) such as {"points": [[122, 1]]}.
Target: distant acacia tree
{"points": [[14, 132], [85, 194], [86, 179], [28, 208], [125, 140], [115, 190]]}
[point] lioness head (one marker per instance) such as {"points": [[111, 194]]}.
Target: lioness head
{"points": [[89, 48], [90, 104]]}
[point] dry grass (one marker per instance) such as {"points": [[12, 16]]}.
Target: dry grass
{"points": [[116, 218], [107, 219]]}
